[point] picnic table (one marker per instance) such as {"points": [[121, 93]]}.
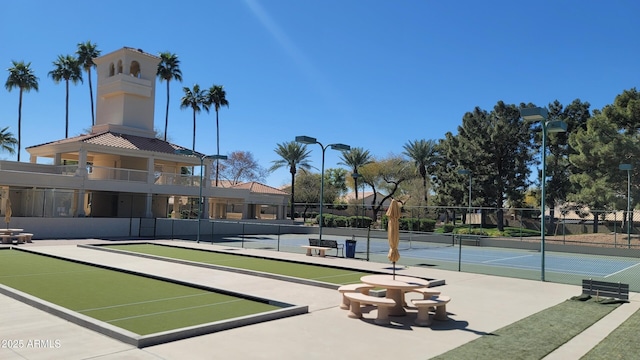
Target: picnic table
{"points": [[396, 286]]}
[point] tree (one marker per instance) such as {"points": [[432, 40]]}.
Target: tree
{"points": [[217, 97], [195, 99], [86, 53], [355, 158], [293, 155], [66, 68], [308, 185], [424, 155], [7, 141], [609, 139], [559, 169], [496, 147], [337, 179], [385, 176], [241, 166], [21, 77], [168, 69]]}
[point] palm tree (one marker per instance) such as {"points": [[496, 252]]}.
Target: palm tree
{"points": [[216, 96], [67, 68], [355, 158], [21, 76], [293, 155], [168, 69], [7, 141], [86, 53], [196, 100], [424, 155]]}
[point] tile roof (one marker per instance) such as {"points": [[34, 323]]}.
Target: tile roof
{"points": [[259, 188], [121, 141]]}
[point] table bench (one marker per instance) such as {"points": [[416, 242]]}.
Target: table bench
{"points": [[320, 249], [349, 288], [466, 238], [383, 305], [425, 305], [20, 238]]}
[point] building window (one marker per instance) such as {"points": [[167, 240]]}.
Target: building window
{"points": [[134, 70], [112, 69], [119, 66]]}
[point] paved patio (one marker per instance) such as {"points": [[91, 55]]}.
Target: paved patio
{"points": [[480, 304]]}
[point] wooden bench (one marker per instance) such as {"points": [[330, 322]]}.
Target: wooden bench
{"points": [[605, 289], [465, 238], [352, 288], [383, 305], [425, 305]]}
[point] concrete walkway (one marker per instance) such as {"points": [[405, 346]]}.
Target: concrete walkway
{"points": [[480, 304]]}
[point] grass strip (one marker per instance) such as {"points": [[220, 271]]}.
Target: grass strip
{"points": [[535, 336], [620, 344], [304, 271]]}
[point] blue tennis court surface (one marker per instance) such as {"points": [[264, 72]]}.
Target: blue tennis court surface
{"points": [[425, 252], [577, 264]]}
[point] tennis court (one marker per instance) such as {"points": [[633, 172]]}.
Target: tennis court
{"points": [[437, 250], [128, 301]]}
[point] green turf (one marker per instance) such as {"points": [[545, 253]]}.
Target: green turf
{"points": [[304, 271], [535, 336], [135, 303], [620, 344]]}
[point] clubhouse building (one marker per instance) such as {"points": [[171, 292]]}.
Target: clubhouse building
{"points": [[120, 169]]}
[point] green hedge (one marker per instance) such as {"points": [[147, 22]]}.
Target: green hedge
{"points": [[412, 224]]}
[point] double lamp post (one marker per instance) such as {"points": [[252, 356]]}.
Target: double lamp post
{"points": [[339, 147], [548, 126]]}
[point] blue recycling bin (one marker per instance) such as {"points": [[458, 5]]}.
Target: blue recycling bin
{"points": [[350, 248]]}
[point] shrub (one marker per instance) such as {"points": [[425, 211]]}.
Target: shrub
{"points": [[428, 225], [359, 221], [447, 228]]}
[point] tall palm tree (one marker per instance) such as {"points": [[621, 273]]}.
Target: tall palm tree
{"points": [[355, 158], [424, 156], [7, 141], [22, 77], [168, 69], [66, 68], [216, 96], [86, 53], [294, 155], [195, 99]]}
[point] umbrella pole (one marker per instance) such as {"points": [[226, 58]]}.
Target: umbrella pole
{"points": [[394, 270]]}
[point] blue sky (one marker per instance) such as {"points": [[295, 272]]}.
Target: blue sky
{"points": [[369, 73]]}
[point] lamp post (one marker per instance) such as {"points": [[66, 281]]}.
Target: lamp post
{"points": [[202, 158], [467, 172], [340, 147], [628, 168], [553, 126]]}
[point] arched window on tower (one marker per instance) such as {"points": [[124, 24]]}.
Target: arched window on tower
{"points": [[119, 66], [134, 70], [112, 69]]}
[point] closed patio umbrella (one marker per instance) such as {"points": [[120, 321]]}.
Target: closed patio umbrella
{"points": [[393, 233], [7, 211]]}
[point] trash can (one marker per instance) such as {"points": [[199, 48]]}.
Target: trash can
{"points": [[350, 248]]}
